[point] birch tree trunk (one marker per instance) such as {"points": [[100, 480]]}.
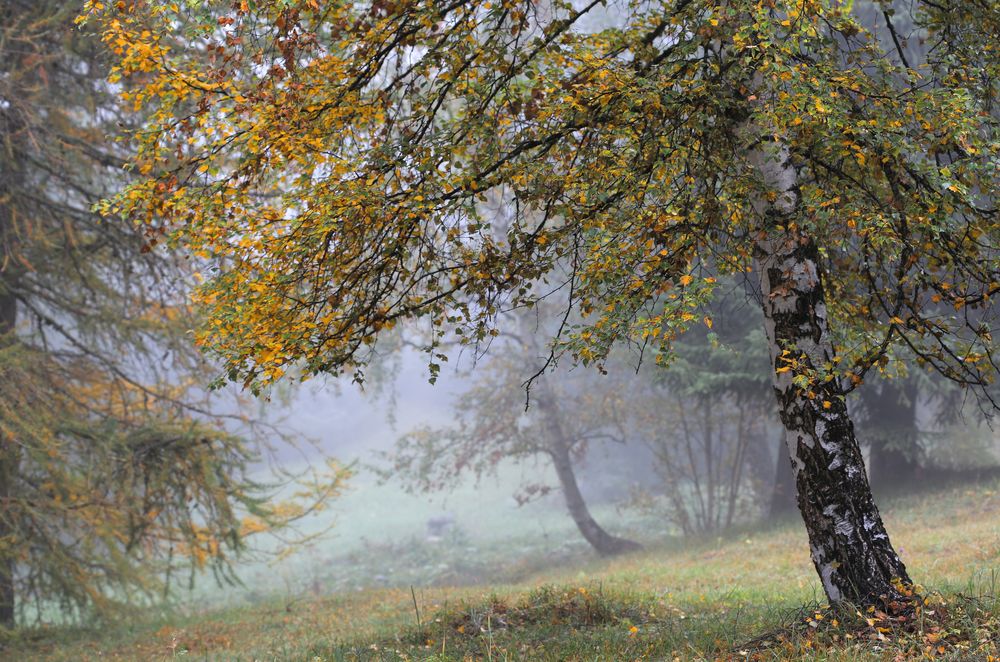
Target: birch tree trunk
{"points": [[848, 542]]}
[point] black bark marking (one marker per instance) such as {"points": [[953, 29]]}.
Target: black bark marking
{"points": [[850, 547]]}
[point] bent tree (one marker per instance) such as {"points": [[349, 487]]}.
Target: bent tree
{"points": [[334, 161], [569, 415]]}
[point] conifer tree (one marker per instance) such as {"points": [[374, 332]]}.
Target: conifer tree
{"points": [[114, 467]]}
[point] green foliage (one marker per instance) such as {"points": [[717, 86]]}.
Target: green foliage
{"points": [[731, 360], [707, 420], [345, 192]]}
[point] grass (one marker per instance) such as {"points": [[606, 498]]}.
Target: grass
{"points": [[379, 539], [746, 596]]}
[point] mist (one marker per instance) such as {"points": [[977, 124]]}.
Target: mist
{"points": [[541, 329]]}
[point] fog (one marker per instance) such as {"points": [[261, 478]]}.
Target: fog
{"points": [[351, 421], [564, 436], [513, 520]]}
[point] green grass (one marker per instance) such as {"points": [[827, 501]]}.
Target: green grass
{"points": [[378, 539], [746, 596]]}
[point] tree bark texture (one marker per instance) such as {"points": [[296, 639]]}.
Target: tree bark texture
{"points": [[848, 542]]}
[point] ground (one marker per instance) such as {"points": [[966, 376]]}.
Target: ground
{"points": [[751, 595]]}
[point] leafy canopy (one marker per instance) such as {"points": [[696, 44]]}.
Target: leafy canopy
{"points": [[347, 165]]}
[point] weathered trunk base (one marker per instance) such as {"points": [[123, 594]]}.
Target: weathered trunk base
{"points": [[603, 542], [849, 544]]}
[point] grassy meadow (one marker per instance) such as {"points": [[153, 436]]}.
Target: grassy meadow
{"points": [[486, 592]]}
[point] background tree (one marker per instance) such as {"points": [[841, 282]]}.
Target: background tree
{"points": [[331, 159], [904, 417], [706, 419], [114, 470], [571, 412], [890, 425]]}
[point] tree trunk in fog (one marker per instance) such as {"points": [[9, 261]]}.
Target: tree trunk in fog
{"points": [[8, 449], [892, 431], [758, 459], [783, 490], [603, 542], [559, 449], [849, 545]]}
